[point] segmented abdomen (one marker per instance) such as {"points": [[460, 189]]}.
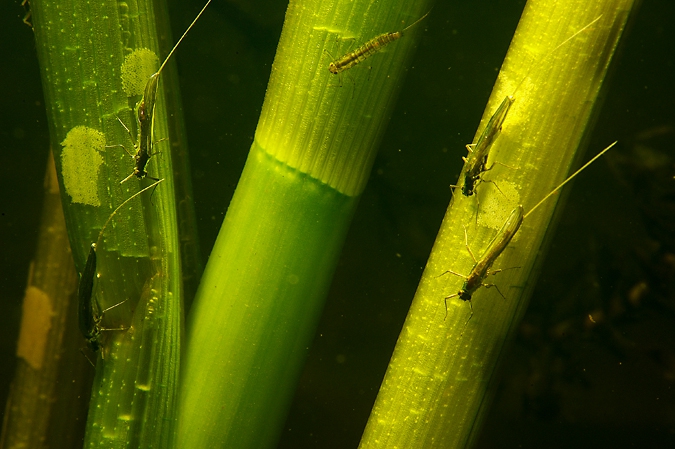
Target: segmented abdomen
{"points": [[363, 52]]}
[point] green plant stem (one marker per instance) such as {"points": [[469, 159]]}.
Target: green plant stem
{"points": [[249, 345], [437, 386], [81, 47], [267, 277]]}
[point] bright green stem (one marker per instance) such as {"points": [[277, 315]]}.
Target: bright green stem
{"points": [[266, 280], [81, 47], [437, 387]]}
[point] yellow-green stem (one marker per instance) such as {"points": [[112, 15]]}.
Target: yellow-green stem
{"points": [[437, 385]]}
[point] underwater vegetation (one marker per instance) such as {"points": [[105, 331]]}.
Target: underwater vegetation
{"points": [[380, 263]]}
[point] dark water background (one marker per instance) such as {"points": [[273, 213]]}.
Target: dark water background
{"points": [[568, 382]]}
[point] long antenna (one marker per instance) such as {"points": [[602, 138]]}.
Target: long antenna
{"points": [[554, 50], [570, 178], [181, 38], [100, 234], [415, 22]]}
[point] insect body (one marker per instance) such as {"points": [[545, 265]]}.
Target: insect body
{"points": [[482, 267], [89, 318], [368, 49], [89, 313], [476, 162], [146, 110]]}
